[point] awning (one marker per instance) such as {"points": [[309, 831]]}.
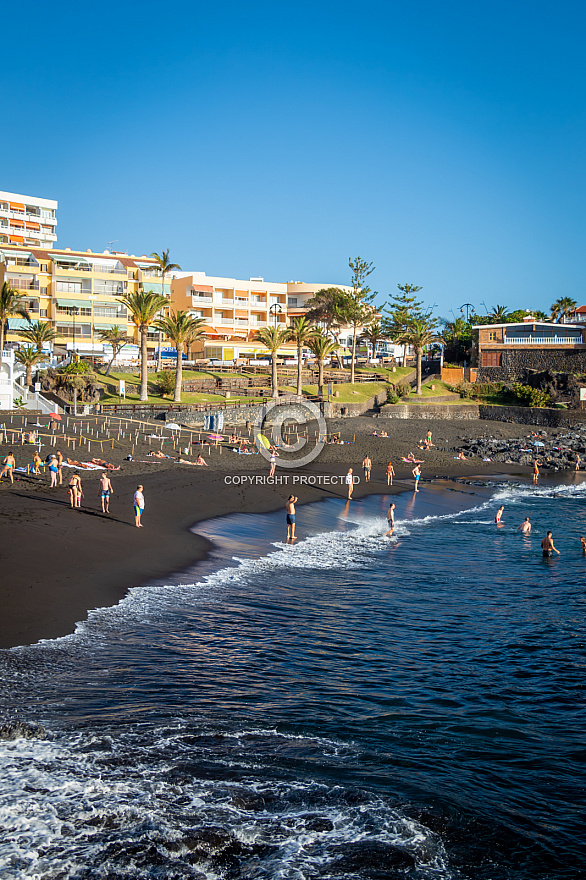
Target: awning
{"points": [[16, 206], [74, 303], [16, 239], [106, 326], [147, 265], [240, 314], [202, 288], [36, 226], [19, 223], [62, 258], [8, 253], [18, 323]]}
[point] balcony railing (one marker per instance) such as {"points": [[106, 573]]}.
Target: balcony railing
{"points": [[198, 300], [575, 339], [23, 283]]}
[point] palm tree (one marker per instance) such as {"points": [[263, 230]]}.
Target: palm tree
{"points": [[28, 356], [562, 307], [421, 331], [273, 338], [117, 337], [11, 303], [498, 315], [322, 347], [372, 334], [143, 305], [300, 332], [165, 265], [38, 333], [183, 329]]}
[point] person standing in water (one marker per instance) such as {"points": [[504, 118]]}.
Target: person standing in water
{"points": [[548, 547], [535, 471], [390, 520], [525, 527], [350, 483], [499, 515], [290, 508], [417, 475]]}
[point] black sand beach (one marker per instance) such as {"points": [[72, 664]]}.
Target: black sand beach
{"points": [[58, 563]]}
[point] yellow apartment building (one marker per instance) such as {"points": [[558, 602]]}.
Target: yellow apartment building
{"points": [[234, 310], [77, 291]]}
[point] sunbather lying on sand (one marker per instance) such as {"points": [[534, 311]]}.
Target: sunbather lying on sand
{"points": [[158, 454], [106, 464]]}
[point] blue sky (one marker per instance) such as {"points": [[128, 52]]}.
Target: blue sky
{"points": [[444, 142]]}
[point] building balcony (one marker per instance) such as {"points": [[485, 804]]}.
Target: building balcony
{"points": [[543, 339], [23, 283]]}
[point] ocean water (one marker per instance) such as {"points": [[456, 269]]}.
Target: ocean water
{"points": [[349, 707]]}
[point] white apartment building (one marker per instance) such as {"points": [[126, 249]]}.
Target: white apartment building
{"points": [[27, 221]]}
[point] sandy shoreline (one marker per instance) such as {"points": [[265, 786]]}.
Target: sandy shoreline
{"points": [[58, 563]]}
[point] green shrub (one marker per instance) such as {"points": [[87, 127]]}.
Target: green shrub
{"points": [[166, 382], [77, 368], [392, 396], [403, 389], [530, 396]]}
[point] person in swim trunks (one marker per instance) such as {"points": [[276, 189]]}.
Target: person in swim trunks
{"points": [[390, 520], [105, 491], [290, 508], [367, 467], [417, 475], [547, 546], [499, 515], [9, 465], [138, 506]]}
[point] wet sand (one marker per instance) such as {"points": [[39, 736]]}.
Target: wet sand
{"points": [[58, 563]]}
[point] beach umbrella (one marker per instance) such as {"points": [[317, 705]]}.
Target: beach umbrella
{"points": [[264, 440], [173, 426], [55, 416], [215, 437], [538, 443]]}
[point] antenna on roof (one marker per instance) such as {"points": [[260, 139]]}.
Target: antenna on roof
{"points": [[110, 243]]}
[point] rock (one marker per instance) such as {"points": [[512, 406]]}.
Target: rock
{"points": [[10, 730]]}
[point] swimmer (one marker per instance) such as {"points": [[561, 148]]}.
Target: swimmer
{"points": [[290, 508], [583, 543], [499, 515], [525, 527], [547, 546], [390, 520]]}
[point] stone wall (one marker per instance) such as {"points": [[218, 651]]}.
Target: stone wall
{"points": [[516, 361], [429, 411]]}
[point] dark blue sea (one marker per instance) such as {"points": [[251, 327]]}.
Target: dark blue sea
{"points": [[349, 707]]}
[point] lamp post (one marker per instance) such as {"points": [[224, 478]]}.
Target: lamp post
{"points": [[74, 310], [276, 309], [467, 306]]}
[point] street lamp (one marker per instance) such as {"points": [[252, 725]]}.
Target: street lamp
{"points": [[467, 306], [74, 310], [276, 309]]}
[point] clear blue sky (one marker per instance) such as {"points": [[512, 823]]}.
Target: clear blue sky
{"points": [[443, 141]]}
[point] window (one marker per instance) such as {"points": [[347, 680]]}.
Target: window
{"points": [[68, 286], [492, 336], [108, 288], [80, 330], [43, 313], [66, 310], [214, 352], [492, 359]]}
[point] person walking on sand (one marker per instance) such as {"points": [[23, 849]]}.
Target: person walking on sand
{"points": [[535, 471], [350, 483], [390, 473], [417, 475], [138, 506], [53, 471], [37, 463], [290, 508], [75, 491], [273, 461], [390, 520], [525, 526], [367, 467], [499, 515], [547, 546], [105, 491], [60, 466], [9, 465]]}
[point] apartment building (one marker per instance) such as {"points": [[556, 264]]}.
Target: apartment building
{"points": [[233, 311], [77, 292], [27, 220]]}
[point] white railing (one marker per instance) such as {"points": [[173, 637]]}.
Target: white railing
{"points": [[33, 400], [544, 340], [198, 300]]}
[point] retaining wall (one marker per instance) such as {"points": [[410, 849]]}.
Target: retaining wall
{"points": [[530, 415], [515, 362], [429, 411]]}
